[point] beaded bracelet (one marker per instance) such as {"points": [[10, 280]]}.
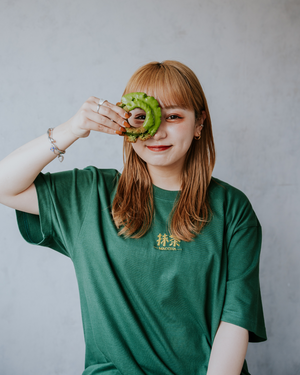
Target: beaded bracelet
{"points": [[53, 148]]}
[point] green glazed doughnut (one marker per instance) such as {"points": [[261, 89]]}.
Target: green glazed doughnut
{"points": [[153, 115]]}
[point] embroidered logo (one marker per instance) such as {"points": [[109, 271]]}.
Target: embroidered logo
{"points": [[165, 242]]}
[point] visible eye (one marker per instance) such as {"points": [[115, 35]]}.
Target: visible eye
{"points": [[140, 117], [174, 117], [137, 119]]}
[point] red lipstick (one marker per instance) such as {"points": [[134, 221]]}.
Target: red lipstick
{"points": [[158, 148]]}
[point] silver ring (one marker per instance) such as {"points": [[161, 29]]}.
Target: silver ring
{"points": [[101, 101]]}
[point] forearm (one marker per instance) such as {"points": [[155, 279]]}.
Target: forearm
{"points": [[228, 350], [19, 169]]}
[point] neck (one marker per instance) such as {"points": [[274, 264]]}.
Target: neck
{"points": [[165, 177]]}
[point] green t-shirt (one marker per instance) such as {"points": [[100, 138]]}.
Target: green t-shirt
{"points": [[151, 305]]}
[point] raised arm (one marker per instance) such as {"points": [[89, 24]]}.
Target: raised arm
{"points": [[228, 350], [19, 169]]}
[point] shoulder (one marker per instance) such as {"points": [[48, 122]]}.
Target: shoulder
{"points": [[234, 204], [222, 190], [87, 173], [79, 179]]}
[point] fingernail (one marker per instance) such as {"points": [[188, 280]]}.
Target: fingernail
{"points": [[122, 129], [125, 123], [127, 114], [118, 132]]}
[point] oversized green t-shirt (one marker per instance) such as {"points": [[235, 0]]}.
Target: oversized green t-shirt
{"points": [[153, 305]]}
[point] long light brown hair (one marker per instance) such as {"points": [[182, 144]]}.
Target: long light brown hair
{"points": [[171, 83]]}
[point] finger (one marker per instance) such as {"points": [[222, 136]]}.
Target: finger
{"points": [[103, 120], [91, 125], [111, 115], [118, 110], [113, 107], [109, 110]]}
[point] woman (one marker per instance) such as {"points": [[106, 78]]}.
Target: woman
{"points": [[166, 256]]}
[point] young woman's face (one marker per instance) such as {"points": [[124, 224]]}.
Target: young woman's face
{"points": [[168, 147]]}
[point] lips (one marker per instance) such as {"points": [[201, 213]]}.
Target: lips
{"points": [[158, 148]]}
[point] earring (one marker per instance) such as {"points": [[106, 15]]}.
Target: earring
{"points": [[197, 137]]}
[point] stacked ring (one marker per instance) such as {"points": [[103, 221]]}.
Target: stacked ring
{"points": [[101, 101]]}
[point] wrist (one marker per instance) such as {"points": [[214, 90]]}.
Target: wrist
{"points": [[75, 131], [60, 138]]}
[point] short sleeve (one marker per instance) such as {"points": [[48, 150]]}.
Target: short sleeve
{"points": [[63, 200], [243, 304]]}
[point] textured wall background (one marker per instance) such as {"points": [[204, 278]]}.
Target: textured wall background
{"points": [[55, 54]]}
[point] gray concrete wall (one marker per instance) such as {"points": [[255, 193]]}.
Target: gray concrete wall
{"points": [[55, 54]]}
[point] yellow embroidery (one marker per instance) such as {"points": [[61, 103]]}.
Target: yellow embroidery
{"points": [[163, 240], [158, 239], [174, 241]]}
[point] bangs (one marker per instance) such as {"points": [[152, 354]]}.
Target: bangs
{"points": [[164, 82]]}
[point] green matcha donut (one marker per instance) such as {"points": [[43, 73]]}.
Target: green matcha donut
{"points": [[153, 115]]}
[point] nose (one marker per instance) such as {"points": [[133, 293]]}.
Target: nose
{"points": [[161, 131]]}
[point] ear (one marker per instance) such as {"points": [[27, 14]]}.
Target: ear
{"points": [[198, 129], [199, 124]]}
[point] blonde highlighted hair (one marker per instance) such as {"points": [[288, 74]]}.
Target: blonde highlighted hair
{"points": [[171, 83]]}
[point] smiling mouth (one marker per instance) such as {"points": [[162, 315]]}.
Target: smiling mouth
{"points": [[158, 148]]}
